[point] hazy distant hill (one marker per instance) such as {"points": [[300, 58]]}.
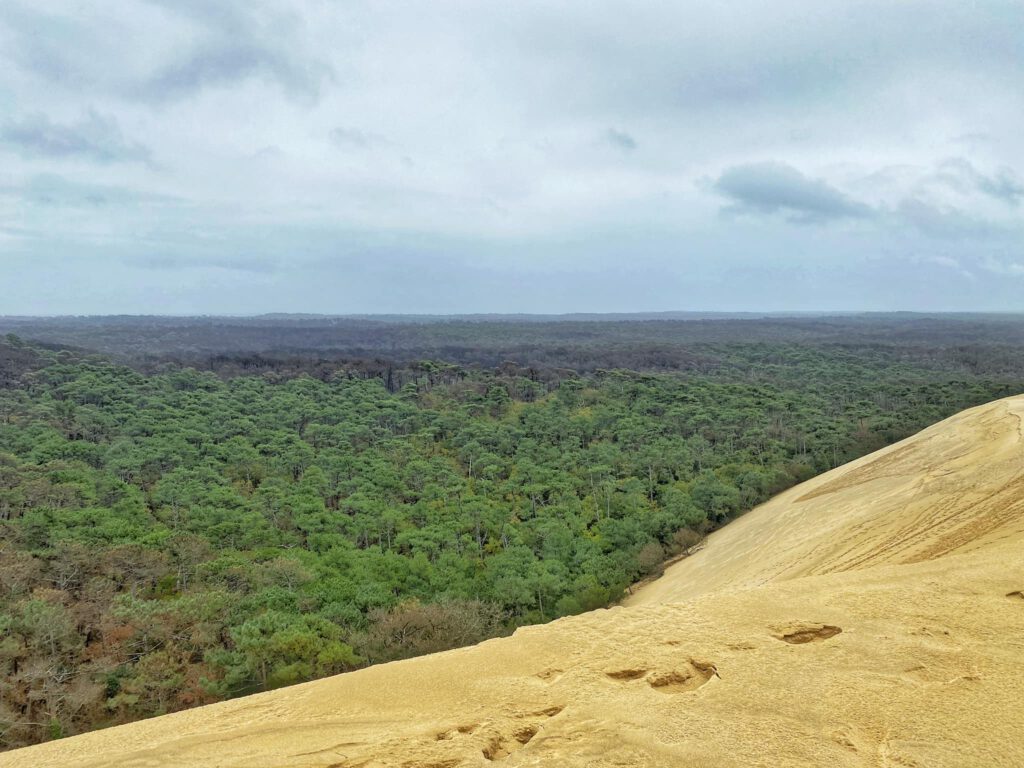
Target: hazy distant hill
{"points": [[653, 341]]}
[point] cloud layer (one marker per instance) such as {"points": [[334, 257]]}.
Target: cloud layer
{"points": [[93, 137], [187, 156], [770, 188]]}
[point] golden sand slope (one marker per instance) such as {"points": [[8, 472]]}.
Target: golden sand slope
{"points": [[870, 617]]}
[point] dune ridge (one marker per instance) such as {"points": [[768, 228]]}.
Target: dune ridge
{"points": [[873, 616]]}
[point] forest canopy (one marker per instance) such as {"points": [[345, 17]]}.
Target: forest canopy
{"points": [[177, 532]]}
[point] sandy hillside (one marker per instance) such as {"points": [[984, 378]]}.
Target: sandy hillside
{"points": [[871, 617]]}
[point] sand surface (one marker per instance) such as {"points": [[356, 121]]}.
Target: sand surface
{"points": [[873, 616]]}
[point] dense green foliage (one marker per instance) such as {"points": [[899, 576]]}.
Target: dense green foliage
{"points": [[174, 538]]}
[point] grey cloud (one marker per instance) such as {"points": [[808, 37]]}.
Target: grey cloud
{"points": [[1003, 186], [224, 43], [621, 140], [944, 222], [239, 44], [227, 61], [34, 42], [962, 175], [776, 188], [95, 137]]}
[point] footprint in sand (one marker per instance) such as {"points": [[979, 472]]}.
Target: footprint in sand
{"points": [[517, 734], [687, 677], [807, 633]]}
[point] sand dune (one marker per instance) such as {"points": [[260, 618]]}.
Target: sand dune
{"points": [[873, 616]]}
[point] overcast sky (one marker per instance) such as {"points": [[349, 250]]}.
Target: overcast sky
{"points": [[186, 156]]}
